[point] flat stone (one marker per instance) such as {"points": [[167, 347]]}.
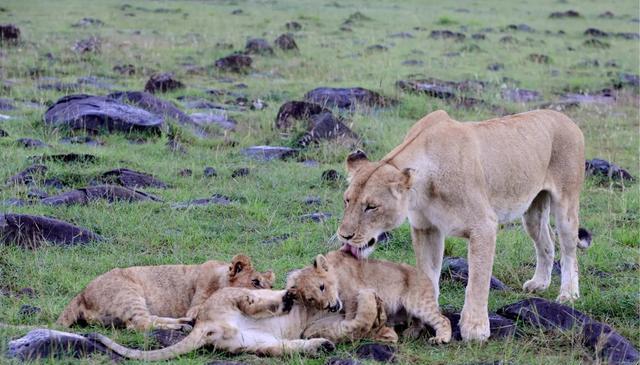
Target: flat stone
{"points": [[565, 14], [65, 157], [457, 269], [44, 343], [88, 45], [38, 194], [520, 27], [347, 98], [268, 153], [607, 15], [7, 104], [27, 310], [216, 199], [132, 179], [499, 326], [32, 231], [110, 193], [594, 32], [96, 82], [595, 43], [403, 35], [275, 240]]}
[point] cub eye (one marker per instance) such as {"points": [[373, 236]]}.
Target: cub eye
{"points": [[321, 287], [256, 283], [370, 207]]}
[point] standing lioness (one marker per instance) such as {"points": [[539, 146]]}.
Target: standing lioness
{"points": [[462, 179]]}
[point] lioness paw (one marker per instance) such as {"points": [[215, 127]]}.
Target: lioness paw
{"points": [[475, 330], [533, 286]]}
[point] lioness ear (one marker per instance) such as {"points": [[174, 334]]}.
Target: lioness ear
{"points": [[355, 160], [404, 183], [239, 263], [321, 263]]}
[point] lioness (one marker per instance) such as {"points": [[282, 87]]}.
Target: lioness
{"points": [[240, 320], [463, 179], [400, 287], [165, 296]]}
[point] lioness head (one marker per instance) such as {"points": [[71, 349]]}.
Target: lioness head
{"points": [[375, 202], [242, 274], [315, 286]]}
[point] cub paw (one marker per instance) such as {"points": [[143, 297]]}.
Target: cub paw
{"points": [[386, 334], [287, 302], [439, 340]]}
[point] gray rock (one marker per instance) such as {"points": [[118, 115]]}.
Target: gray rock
{"points": [[258, 46], [268, 153], [44, 343], [219, 119], [237, 63], [604, 168], [240, 172]]}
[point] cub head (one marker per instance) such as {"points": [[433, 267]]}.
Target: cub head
{"points": [[242, 274], [376, 201], [315, 286]]}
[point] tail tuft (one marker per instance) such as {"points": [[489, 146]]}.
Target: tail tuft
{"points": [[584, 238]]}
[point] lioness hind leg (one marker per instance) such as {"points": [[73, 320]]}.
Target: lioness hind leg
{"points": [[566, 214], [536, 224]]}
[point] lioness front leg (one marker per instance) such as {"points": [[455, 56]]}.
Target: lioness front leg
{"points": [[428, 246], [474, 319], [263, 303]]}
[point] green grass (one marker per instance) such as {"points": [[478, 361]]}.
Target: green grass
{"points": [[271, 198]]}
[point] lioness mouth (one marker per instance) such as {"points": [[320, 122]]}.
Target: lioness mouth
{"points": [[358, 252]]}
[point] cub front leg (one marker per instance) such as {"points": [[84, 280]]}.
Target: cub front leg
{"points": [[263, 303]]}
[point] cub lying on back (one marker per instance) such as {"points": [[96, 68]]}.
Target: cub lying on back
{"points": [[166, 296], [400, 286]]}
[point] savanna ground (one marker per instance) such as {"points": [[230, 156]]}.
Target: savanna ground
{"points": [[271, 198]]}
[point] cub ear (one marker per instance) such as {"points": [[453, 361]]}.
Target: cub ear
{"points": [[321, 263], [239, 263], [270, 277], [404, 183], [355, 160]]}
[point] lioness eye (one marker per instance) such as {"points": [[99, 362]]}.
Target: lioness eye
{"points": [[321, 287], [370, 207], [256, 283]]}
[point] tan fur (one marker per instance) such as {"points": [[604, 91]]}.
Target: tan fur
{"points": [[399, 286], [463, 179], [166, 296]]}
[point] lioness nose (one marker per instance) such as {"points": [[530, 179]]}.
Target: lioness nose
{"points": [[347, 237]]}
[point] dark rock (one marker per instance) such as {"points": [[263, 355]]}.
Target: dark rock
{"points": [[162, 82], [31, 143], [478, 36], [565, 14], [28, 175], [293, 26], [330, 175], [44, 343], [312, 200], [607, 14], [53, 183], [339, 361], [594, 32], [325, 126], [9, 34], [88, 45], [457, 269], [210, 172], [377, 48], [26, 292], [499, 326], [38, 194], [216, 199], [539, 58], [167, 338], [3, 133], [65, 157], [495, 66], [237, 12], [604, 168], [32, 231], [125, 69], [447, 34], [413, 63], [95, 113], [376, 351], [110, 193], [347, 98], [85, 140], [292, 111], [403, 35], [318, 217], [240, 172], [132, 179], [587, 63], [268, 153], [596, 43], [258, 46], [7, 104], [520, 27], [28, 310], [520, 95], [86, 22], [237, 63], [286, 42]]}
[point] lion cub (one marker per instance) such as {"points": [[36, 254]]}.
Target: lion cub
{"points": [[400, 286], [165, 296]]}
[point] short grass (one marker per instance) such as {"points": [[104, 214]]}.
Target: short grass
{"points": [[271, 198]]}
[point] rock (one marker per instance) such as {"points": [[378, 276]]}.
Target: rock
{"points": [[210, 172], [96, 113], [167, 338], [447, 34], [240, 172], [86, 22], [604, 168], [376, 351], [539, 58], [44, 343], [377, 48], [36, 194], [53, 84], [7, 104], [110, 193], [330, 175], [13, 202], [312, 200], [626, 79], [347, 98], [216, 199], [88, 45], [9, 34], [286, 42], [258, 105], [162, 82], [608, 344], [326, 126], [85, 140], [356, 18], [65, 157], [478, 36], [219, 119], [508, 39], [185, 172], [520, 95], [457, 269], [565, 14], [471, 48], [258, 46], [3, 133], [495, 67], [607, 15], [403, 35], [292, 111], [412, 63], [596, 43], [96, 82], [448, 90], [595, 32], [28, 175], [293, 25], [237, 63], [32, 231], [520, 27], [27, 310], [318, 217], [125, 69], [132, 179], [268, 153], [31, 143]]}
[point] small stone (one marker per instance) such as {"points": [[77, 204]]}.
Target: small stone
{"points": [[13, 202], [237, 63], [377, 352], [330, 175], [447, 34], [185, 172], [126, 69], [594, 32], [495, 67], [210, 172], [312, 200], [9, 34], [520, 27], [268, 153], [28, 310], [607, 15], [596, 43], [403, 35], [237, 12], [286, 42], [318, 217], [31, 143], [216, 199], [413, 63], [293, 26], [7, 104], [565, 14], [539, 58], [86, 140], [86, 22], [275, 240], [479, 36], [162, 82], [240, 172], [377, 48], [339, 361], [37, 194], [88, 45], [3, 133]]}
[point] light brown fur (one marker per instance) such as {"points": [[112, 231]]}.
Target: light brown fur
{"points": [[463, 179], [166, 296]]}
